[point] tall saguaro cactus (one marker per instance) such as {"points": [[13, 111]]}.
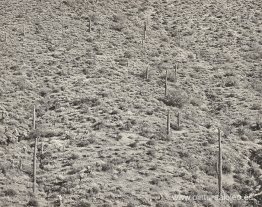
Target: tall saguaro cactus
{"points": [[147, 73], [178, 120], [176, 67], [168, 123], [219, 164], [6, 37], [90, 24], [35, 151], [166, 82], [144, 30]]}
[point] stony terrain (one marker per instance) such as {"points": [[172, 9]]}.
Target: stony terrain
{"points": [[102, 125]]}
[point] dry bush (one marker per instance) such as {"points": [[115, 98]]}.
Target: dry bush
{"points": [[226, 168], [170, 76], [33, 202], [176, 97], [83, 203], [256, 156], [90, 101], [10, 192], [74, 156], [130, 205], [144, 129], [106, 167], [210, 168], [45, 132], [117, 27], [162, 204], [238, 203], [257, 86], [230, 82], [175, 127]]}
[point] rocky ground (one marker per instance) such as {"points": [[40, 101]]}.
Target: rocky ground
{"points": [[102, 125]]}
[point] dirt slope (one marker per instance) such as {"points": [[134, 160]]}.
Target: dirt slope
{"points": [[102, 125]]}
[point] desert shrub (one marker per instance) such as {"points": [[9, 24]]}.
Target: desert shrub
{"points": [[230, 82], [255, 106], [130, 205], [46, 155], [162, 204], [170, 76], [133, 144], [51, 132], [254, 171], [229, 73], [86, 71], [94, 190], [33, 202], [144, 129], [3, 169], [43, 92], [256, 156], [175, 127], [83, 204], [45, 132], [176, 98], [122, 61], [105, 205], [226, 168], [154, 181], [207, 203], [257, 86], [210, 169], [195, 101], [74, 156], [117, 27], [128, 54], [240, 122], [90, 101], [10, 192], [238, 203], [151, 153], [151, 142], [106, 167]]}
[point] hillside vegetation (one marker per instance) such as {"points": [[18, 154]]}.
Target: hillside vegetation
{"points": [[102, 124]]}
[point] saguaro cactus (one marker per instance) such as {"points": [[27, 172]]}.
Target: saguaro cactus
{"points": [[176, 68], [147, 71], [145, 30], [6, 37], [219, 164], [35, 151], [20, 165], [168, 123], [89, 25], [24, 30], [178, 120], [166, 82]]}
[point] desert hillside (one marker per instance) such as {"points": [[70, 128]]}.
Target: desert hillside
{"points": [[104, 76]]}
